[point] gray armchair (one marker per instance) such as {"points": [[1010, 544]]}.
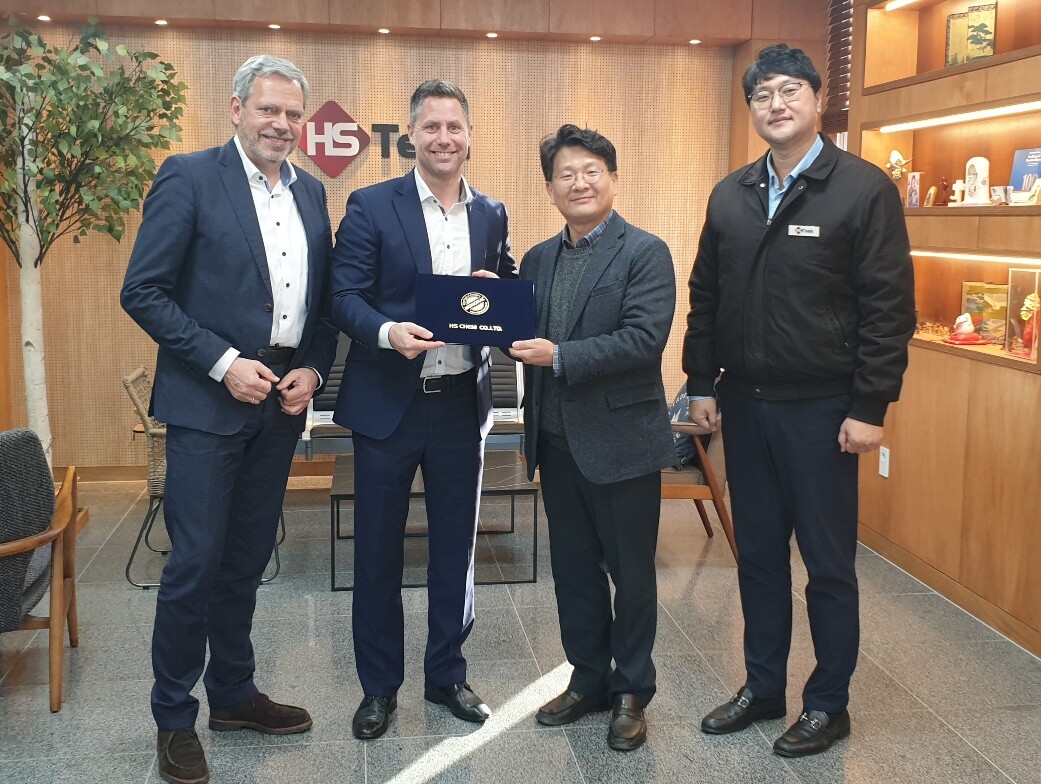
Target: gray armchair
{"points": [[37, 546]]}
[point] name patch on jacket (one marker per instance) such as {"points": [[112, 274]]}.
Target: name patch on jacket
{"points": [[803, 231]]}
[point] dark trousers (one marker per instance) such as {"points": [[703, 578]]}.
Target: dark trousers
{"points": [[786, 473], [223, 499], [596, 530], [439, 434]]}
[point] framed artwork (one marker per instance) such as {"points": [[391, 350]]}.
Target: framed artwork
{"points": [[914, 184], [980, 31], [957, 39]]}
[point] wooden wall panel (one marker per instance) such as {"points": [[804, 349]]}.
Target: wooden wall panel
{"points": [[943, 231], [501, 16], [926, 433], [398, 16], [1001, 535], [898, 57], [615, 20], [284, 12], [799, 20], [641, 96], [1013, 234], [160, 9], [55, 8], [925, 98], [678, 21]]}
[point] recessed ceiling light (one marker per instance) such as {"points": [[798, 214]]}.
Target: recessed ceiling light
{"points": [[594, 38], [694, 41], [895, 4], [43, 18], [161, 22], [492, 35], [383, 31], [275, 26]]}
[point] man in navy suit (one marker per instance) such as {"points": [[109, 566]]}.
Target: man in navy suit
{"points": [[414, 402], [228, 275]]}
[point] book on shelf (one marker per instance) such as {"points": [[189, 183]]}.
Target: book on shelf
{"points": [[1026, 169]]}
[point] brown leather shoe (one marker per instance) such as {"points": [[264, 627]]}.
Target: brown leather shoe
{"points": [[568, 707], [262, 715], [628, 726], [181, 758]]}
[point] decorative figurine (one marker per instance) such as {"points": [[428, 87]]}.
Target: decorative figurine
{"points": [[1029, 315], [958, 191], [897, 164], [914, 180], [930, 196], [964, 332], [944, 188], [977, 181]]}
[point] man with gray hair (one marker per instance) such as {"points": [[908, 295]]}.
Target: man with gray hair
{"points": [[414, 402], [228, 276]]}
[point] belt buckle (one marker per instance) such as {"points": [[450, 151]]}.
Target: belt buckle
{"points": [[431, 378]]}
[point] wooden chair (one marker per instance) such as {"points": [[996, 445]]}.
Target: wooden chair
{"points": [[705, 481], [30, 511], [139, 387]]}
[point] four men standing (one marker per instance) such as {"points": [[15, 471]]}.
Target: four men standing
{"points": [[801, 293]]}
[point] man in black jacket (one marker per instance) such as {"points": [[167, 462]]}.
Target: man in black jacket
{"points": [[803, 294]]}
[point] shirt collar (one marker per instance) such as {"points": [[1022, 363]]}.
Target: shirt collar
{"points": [[589, 239], [286, 173], [800, 167], [426, 194]]}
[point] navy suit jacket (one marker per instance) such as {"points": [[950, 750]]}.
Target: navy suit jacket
{"points": [[381, 246], [198, 284]]}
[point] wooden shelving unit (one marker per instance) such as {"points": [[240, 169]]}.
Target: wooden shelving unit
{"points": [[960, 508]]}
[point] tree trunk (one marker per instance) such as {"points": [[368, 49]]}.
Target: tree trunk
{"points": [[32, 321]]}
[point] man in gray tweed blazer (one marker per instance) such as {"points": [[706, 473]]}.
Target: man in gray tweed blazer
{"points": [[597, 425]]}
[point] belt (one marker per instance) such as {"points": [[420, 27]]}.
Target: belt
{"points": [[431, 384], [276, 355]]}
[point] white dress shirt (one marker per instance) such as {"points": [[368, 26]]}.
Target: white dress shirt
{"points": [[448, 232], [285, 245]]}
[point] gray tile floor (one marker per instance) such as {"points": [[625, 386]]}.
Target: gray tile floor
{"points": [[938, 697]]}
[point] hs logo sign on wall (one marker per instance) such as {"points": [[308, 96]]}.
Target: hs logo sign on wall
{"points": [[332, 139]]}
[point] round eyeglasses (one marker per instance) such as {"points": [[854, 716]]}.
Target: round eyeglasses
{"points": [[789, 94]]}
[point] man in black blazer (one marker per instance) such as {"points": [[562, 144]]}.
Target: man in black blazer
{"points": [[596, 424], [413, 402], [228, 275]]}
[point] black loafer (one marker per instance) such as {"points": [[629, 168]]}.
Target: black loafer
{"points": [[814, 732], [568, 707], [373, 716], [741, 711], [628, 726], [263, 715], [181, 758], [460, 699]]}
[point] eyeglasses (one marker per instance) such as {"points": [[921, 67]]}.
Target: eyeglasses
{"points": [[789, 94], [569, 178]]}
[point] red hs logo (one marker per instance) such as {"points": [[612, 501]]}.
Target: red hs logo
{"points": [[332, 139]]}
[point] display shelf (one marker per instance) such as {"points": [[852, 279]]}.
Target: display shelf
{"points": [[985, 352], [915, 39]]}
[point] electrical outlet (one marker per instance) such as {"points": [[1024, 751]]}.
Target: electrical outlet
{"points": [[883, 461]]}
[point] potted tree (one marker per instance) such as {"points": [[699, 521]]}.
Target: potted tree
{"points": [[79, 127]]}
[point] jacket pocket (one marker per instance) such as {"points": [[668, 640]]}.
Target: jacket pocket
{"points": [[606, 289], [628, 396]]}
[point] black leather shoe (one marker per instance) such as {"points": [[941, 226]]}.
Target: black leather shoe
{"points": [[263, 715], [741, 711], [181, 759], [373, 716], [460, 699], [814, 732], [568, 707], [628, 726]]}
